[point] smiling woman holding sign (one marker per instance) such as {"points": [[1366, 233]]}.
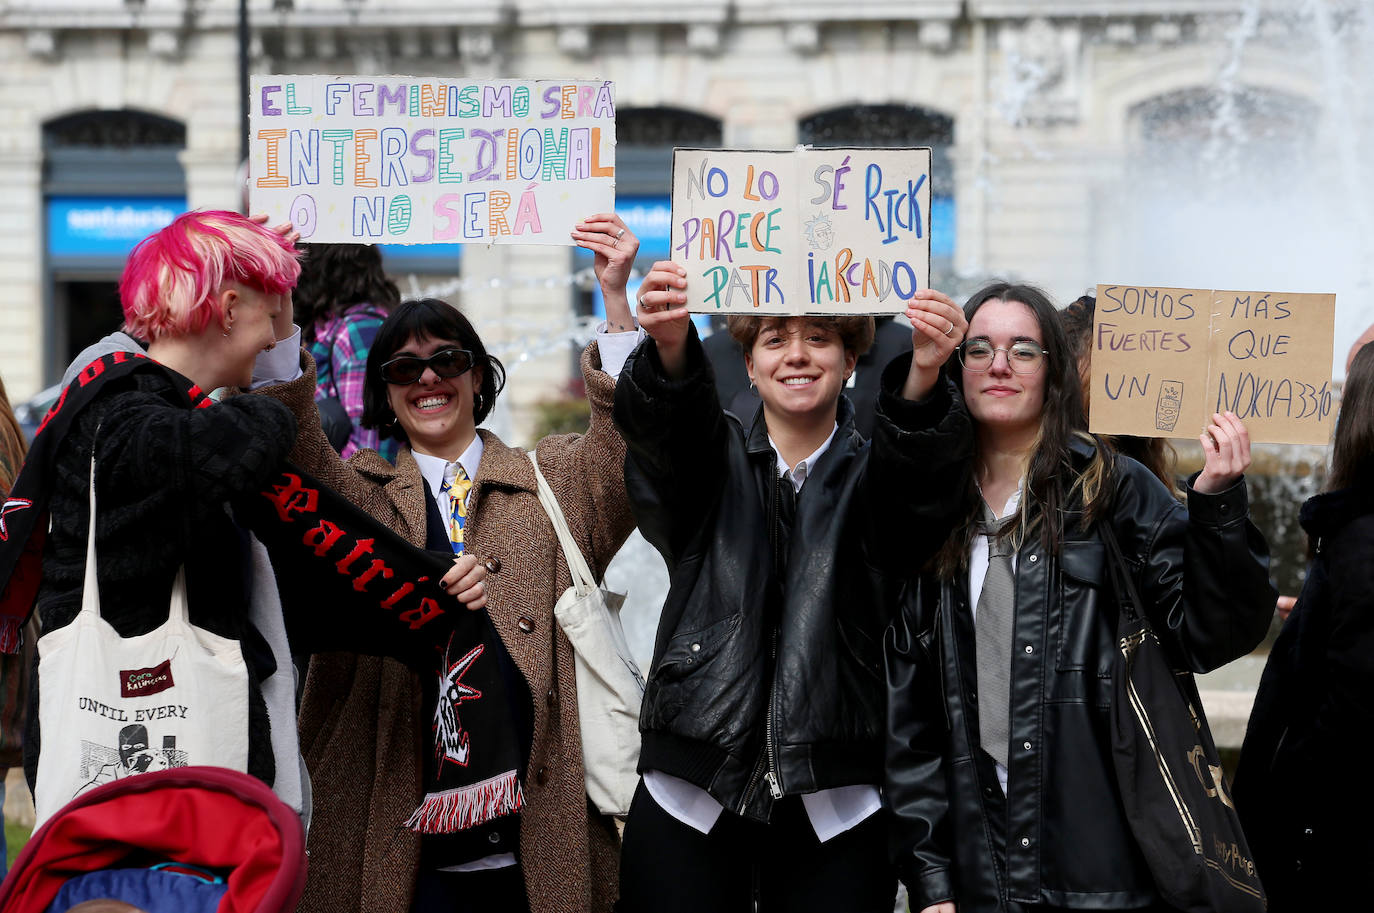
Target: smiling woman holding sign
{"points": [[785, 542], [1000, 767], [391, 829]]}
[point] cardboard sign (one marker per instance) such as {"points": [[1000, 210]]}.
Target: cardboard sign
{"points": [[813, 231], [425, 160], [1165, 359]]}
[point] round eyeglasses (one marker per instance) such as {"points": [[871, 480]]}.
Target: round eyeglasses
{"points": [[1024, 357], [407, 369]]}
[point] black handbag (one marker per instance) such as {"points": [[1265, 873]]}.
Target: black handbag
{"points": [[1172, 788], [334, 418]]}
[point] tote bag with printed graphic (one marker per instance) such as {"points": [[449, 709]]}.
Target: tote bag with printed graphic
{"points": [[111, 707]]}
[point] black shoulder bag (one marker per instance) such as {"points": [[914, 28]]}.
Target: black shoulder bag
{"points": [[334, 418], [1167, 768]]}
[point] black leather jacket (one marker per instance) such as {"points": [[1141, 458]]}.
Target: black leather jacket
{"points": [[759, 677], [1060, 837]]}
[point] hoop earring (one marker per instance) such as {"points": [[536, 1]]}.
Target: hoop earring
{"points": [[227, 330], [751, 383]]}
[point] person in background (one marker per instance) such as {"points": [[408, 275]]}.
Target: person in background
{"points": [[999, 770], [14, 667], [1365, 338], [1155, 453], [786, 540], [738, 394], [376, 735], [1309, 830], [340, 302]]}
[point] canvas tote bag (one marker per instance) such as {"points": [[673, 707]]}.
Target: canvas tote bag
{"points": [[111, 707], [610, 687]]}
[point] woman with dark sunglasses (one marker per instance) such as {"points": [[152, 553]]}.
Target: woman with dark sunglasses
{"points": [[999, 765], [367, 725]]}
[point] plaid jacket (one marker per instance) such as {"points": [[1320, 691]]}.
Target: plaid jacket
{"points": [[340, 351]]}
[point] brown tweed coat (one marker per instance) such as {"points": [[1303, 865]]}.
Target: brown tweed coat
{"points": [[360, 727]]}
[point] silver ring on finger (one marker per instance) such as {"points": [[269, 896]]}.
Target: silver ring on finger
{"points": [[619, 234], [950, 331], [615, 243]]}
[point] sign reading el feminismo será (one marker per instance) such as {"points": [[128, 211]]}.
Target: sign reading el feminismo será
{"points": [[423, 160]]}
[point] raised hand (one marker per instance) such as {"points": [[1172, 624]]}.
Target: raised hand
{"points": [[663, 314], [1226, 447], [937, 328], [615, 247]]}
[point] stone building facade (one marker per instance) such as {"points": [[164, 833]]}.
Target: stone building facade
{"points": [[1077, 141]]}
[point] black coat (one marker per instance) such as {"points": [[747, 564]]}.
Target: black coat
{"points": [[1061, 837], [1302, 788], [719, 690], [163, 475]]}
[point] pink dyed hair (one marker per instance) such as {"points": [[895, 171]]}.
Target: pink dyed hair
{"points": [[171, 283]]}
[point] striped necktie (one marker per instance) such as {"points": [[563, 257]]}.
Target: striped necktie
{"points": [[456, 486]]}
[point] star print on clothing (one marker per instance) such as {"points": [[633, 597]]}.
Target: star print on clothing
{"points": [[11, 505], [451, 742]]}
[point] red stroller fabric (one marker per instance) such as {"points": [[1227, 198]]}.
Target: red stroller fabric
{"points": [[205, 816]]}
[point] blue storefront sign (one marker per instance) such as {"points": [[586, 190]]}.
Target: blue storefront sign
{"points": [[106, 226]]}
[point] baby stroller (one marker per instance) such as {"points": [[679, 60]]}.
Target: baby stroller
{"points": [[191, 839]]}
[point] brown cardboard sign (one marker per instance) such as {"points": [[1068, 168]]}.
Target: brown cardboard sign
{"points": [[1165, 359]]}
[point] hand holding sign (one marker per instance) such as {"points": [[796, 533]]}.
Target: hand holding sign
{"points": [[937, 328], [1226, 448], [662, 316]]}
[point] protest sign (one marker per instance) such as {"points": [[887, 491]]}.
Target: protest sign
{"points": [[1165, 359], [424, 160], [812, 231]]}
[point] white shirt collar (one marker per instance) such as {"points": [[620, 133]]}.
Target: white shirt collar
{"points": [[432, 467], [803, 468]]}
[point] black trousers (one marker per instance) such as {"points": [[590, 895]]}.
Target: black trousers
{"points": [[748, 867], [489, 890]]}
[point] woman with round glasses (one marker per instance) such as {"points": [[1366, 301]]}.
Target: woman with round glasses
{"points": [[367, 724], [999, 769]]}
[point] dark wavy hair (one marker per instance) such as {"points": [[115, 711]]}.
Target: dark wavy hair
{"points": [[1053, 483], [1352, 452], [426, 318], [1155, 453], [335, 276]]}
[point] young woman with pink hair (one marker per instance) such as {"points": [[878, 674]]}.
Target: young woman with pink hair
{"points": [[206, 293]]}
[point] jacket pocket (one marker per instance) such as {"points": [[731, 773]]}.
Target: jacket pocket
{"points": [[692, 650], [1082, 601]]}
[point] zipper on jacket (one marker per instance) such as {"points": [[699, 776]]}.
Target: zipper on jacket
{"points": [[765, 769]]}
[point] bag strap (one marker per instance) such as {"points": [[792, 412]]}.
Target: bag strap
{"points": [[572, 552], [1128, 597], [90, 587]]}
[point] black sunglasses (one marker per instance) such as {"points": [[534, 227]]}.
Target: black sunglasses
{"points": [[407, 368]]}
